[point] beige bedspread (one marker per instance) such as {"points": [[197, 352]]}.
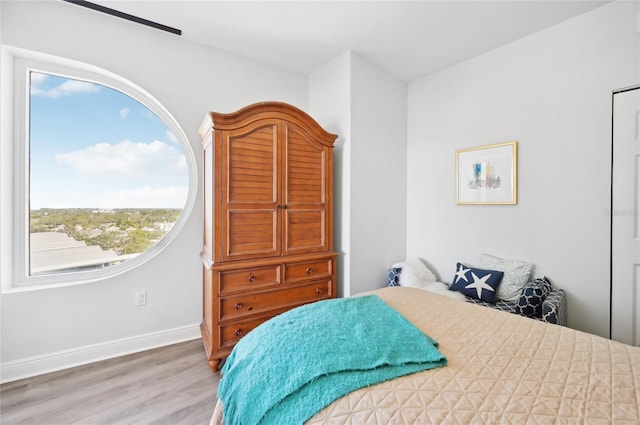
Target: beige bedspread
{"points": [[502, 369]]}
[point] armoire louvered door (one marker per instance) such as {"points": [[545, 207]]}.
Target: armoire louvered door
{"points": [[250, 194], [305, 179], [268, 209]]}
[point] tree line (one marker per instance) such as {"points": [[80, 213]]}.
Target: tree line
{"points": [[125, 231]]}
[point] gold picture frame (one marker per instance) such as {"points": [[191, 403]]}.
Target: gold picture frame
{"points": [[487, 175]]}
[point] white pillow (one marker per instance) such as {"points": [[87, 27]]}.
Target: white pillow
{"points": [[415, 274], [516, 275]]}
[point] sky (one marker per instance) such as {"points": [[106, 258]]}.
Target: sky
{"points": [[94, 147]]}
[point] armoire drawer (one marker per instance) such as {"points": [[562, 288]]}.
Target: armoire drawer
{"points": [[315, 269], [238, 306], [231, 333], [249, 279]]}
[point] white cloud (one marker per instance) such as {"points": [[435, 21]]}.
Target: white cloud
{"points": [[127, 159], [146, 197], [67, 88], [38, 79], [124, 112]]}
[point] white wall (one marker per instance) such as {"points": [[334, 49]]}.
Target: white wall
{"points": [[378, 174], [46, 328], [330, 101], [367, 107], [551, 92]]}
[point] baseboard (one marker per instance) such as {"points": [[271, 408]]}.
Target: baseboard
{"points": [[38, 365]]}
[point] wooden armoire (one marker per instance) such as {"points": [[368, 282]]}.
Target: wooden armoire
{"points": [[268, 219]]}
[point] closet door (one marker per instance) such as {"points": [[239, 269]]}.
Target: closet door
{"points": [[625, 218], [249, 193], [307, 188]]}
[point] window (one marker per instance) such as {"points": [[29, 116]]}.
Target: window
{"points": [[102, 176]]}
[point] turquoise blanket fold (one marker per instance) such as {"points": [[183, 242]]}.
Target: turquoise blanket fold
{"points": [[292, 366]]}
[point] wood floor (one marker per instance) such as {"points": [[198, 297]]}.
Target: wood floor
{"points": [[170, 385]]}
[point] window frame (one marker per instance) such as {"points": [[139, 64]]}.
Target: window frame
{"points": [[16, 65]]}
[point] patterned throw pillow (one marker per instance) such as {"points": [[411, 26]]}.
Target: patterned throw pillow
{"points": [[476, 283], [516, 275], [533, 294], [394, 276]]}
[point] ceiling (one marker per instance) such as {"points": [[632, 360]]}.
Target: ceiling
{"points": [[408, 39]]}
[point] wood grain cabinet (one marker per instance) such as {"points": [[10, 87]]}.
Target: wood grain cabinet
{"points": [[268, 219]]}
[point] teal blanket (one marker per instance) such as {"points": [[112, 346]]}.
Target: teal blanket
{"points": [[292, 366]]}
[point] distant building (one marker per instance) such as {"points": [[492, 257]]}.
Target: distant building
{"points": [[57, 252], [164, 227]]}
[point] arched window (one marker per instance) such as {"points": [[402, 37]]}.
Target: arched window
{"points": [[102, 177]]}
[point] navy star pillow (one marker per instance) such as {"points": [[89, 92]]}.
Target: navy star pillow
{"points": [[477, 283]]}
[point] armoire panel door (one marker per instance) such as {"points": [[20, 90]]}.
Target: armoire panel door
{"points": [[250, 192], [305, 192]]}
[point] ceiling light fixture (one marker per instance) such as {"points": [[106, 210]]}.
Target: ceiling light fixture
{"points": [[126, 16]]}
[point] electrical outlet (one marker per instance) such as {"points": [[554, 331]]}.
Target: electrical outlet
{"points": [[141, 298]]}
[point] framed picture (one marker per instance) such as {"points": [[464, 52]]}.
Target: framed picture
{"points": [[487, 174]]}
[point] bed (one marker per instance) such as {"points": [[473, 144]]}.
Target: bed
{"points": [[501, 369]]}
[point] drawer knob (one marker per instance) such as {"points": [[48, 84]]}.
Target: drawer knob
{"points": [[318, 290], [309, 270], [252, 278], [239, 332], [238, 306]]}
